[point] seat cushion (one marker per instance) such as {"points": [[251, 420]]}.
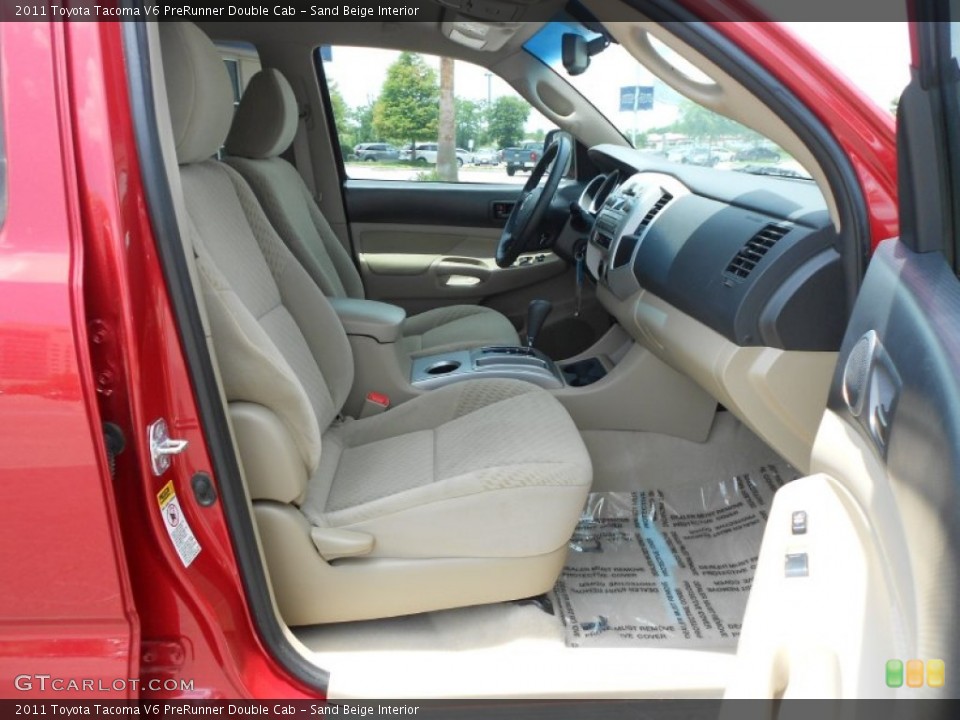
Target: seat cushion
{"points": [[456, 327], [486, 468]]}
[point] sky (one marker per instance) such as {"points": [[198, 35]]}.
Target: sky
{"points": [[875, 56]]}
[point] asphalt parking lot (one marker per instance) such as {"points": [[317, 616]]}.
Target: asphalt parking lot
{"points": [[468, 173]]}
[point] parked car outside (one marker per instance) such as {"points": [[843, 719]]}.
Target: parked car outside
{"points": [[486, 156], [700, 156], [372, 152], [427, 154], [758, 153], [524, 157]]}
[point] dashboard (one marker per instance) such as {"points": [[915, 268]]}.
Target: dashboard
{"points": [[753, 258]]}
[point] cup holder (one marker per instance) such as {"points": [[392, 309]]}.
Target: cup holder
{"points": [[443, 367]]}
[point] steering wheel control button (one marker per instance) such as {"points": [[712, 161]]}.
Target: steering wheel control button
{"points": [[798, 522], [796, 565]]}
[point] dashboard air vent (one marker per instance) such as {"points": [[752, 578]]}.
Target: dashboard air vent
{"points": [[654, 211], [753, 251]]}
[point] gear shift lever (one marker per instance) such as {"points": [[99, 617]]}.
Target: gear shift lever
{"points": [[537, 313]]}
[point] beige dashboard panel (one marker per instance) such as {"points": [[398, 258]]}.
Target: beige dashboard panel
{"points": [[779, 394]]}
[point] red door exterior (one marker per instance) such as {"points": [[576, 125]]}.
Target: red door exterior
{"points": [[66, 611]]}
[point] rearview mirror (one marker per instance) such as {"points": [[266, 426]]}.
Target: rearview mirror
{"points": [[576, 57], [576, 51]]}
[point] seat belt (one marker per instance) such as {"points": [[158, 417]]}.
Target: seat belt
{"points": [[301, 153]]}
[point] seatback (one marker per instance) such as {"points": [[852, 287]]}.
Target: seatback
{"points": [[279, 344], [263, 128]]}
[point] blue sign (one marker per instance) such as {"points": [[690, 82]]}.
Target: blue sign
{"points": [[636, 97], [326, 53]]}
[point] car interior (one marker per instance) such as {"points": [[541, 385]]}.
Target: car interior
{"points": [[563, 438]]}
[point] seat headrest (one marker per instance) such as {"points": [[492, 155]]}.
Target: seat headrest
{"points": [[266, 120], [198, 90]]}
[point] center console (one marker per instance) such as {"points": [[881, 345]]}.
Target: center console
{"points": [[517, 362]]}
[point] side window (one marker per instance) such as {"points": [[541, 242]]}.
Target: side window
{"points": [[242, 63], [394, 109]]}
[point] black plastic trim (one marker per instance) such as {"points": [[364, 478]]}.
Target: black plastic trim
{"points": [[190, 330], [417, 203], [841, 176]]}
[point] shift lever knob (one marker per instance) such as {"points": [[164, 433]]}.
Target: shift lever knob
{"points": [[537, 313]]}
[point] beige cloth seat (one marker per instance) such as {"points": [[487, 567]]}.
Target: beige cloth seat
{"points": [[461, 496], [264, 127]]}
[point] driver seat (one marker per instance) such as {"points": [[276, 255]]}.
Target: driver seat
{"points": [[264, 127]]}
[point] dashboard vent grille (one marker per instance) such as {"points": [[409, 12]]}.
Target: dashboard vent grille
{"points": [[753, 251], [654, 211]]}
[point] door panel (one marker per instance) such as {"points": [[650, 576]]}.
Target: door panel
{"points": [[427, 203], [425, 245], [911, 301], [415, 267], [883, 512]]}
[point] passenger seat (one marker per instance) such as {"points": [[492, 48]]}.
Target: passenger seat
{"points": [[263, 128], [464, 495]]}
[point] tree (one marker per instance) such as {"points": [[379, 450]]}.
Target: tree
{"points": [[700, 123], [362, 118], [446, 148], [343, 118], [505, 120], [408, 107], [469, 122]]}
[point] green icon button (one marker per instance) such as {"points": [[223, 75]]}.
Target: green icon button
{"points": [[894, 673]]}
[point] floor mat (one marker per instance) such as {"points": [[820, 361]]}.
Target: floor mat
{"points": [[666, 567]]}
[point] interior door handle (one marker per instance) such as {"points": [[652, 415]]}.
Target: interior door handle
{"points": [[871, 388], [462, 272], [501, 209]]}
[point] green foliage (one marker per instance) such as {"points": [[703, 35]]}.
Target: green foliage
{"points": [[428, 176], [362, 119], [469, 122], [700, 123], [408, 107], [343, 118], [506, 118]]}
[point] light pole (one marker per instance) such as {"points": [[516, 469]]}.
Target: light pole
{"points": [[489, 92]]}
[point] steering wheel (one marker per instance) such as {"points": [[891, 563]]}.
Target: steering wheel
{"points": [[520, 232]]}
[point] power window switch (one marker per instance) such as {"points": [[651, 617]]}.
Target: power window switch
{"points": [[796, 565], [798, 522]]}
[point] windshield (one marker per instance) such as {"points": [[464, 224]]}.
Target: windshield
{"points": [[654, 117]]}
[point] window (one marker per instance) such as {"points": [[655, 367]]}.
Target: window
{"points": [[654, 117], [242, 63], [388, 118]]}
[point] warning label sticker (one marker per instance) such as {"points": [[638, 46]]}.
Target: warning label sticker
{"points": [[175, 521], [670, 567]]}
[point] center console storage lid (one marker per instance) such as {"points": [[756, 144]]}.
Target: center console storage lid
{"points": [[378, 320]]}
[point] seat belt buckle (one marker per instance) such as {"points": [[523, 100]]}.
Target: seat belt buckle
{"points": [[374, 404]]}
